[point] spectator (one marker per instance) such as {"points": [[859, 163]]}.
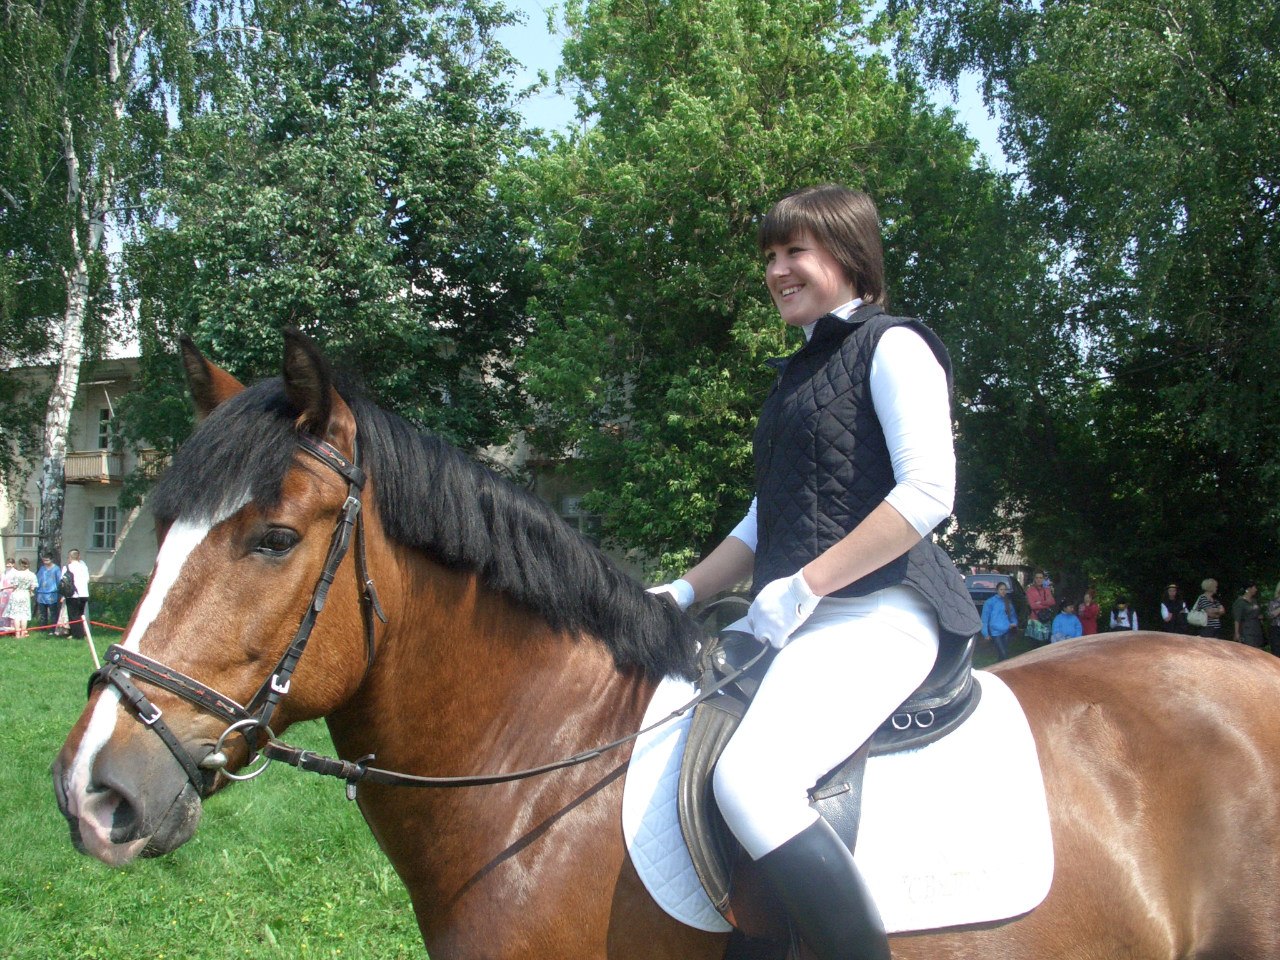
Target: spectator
{"points": [[47, 576], [1122, 618], [1173, 610], [1213, 609], [1066, 625], [24, 583], [1273, 621], [1247, 615], [78, 603], [1088, 613], [1040, 599], [999, 620], [6, 591]]}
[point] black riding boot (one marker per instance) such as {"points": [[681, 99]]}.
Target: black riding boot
{"points": [[815, 877]]}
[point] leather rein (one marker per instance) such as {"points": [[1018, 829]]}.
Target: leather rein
{"points": [[122, 666]]}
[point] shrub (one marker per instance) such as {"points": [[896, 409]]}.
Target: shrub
{"points": [[114, 603]]}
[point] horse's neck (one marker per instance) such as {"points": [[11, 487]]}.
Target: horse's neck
{"points": [[467, 683]]}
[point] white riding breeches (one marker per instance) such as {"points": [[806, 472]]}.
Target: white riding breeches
{"points": [[847, 668]]}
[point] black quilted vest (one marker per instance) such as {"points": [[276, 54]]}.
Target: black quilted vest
{"points": [[822, 465]]}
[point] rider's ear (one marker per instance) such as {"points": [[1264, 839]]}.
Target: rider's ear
{"points": [[308, 383], [210, 385]]}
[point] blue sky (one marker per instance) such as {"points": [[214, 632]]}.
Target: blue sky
{"points": [[538, 49]]}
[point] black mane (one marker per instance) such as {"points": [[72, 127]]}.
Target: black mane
{"points": [[433, 498]]}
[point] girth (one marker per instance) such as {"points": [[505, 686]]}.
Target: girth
{"points": [[946, 698]]}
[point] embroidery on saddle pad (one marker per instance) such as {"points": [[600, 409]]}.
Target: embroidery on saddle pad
{"points": [[923, 872]]}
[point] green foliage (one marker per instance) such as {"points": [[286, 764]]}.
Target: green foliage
{"points": [[338, 180], [114, 603], [1148, 143], [281, 866], [652, 320]]}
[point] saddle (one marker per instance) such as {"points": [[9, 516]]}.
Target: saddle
{"points": [[946, 698]]}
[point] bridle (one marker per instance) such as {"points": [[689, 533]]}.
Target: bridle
{"points": [[121, 667], [252, 719]]}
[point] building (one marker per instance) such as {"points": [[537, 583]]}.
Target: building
{"points": [[115, 543]]}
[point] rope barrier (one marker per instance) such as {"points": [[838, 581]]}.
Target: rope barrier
{"points": [[9, 631], [88, 634]]}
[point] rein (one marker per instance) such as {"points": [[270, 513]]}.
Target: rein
{"points": [[121, 664], [361, 772]]}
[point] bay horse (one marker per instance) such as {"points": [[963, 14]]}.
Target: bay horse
{"points": [[469, 632]]}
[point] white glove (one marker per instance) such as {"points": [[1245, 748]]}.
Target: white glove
{"points": [[780, 608], [681, 591]]}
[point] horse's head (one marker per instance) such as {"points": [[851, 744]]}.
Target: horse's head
{"points": [[254, 518]]}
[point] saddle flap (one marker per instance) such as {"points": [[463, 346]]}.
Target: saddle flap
{"points": [[945, 699]]}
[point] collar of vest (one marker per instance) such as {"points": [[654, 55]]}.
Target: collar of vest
{"points": [[829, 330]]}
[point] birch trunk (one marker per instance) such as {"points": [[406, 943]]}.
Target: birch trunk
{"points": [[89, 202]]}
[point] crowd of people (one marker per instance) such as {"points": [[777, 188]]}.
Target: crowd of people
{"points": [[56, 607], [1255, 621]]}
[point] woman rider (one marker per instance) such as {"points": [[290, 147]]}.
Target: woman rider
{"points": [[854, 466]]}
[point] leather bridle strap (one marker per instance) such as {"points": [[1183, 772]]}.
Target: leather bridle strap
{"points": [[121, 663]]}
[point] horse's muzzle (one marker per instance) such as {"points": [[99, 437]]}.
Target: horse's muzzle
{"points": [[118, 818]]}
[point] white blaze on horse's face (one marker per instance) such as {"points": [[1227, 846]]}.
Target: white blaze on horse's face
{"points": [[179, 543]]}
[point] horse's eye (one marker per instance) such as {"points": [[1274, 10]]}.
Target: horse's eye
{"points": [[278, 541]]}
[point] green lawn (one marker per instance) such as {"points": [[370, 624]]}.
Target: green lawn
{"points": [[282, 866]]}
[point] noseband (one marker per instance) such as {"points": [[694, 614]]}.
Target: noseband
{"points": [[120, 664]]}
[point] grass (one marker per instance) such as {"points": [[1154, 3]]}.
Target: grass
{"points": [[282, 866]]}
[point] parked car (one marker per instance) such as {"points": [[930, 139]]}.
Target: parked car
{"points": [[982, 586]]}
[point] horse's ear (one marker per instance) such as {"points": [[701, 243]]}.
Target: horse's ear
{"points": [[308, 383], [209, 384]]}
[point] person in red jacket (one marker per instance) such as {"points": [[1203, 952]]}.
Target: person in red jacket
{"points": [[1040, 599], [1088, 612]]}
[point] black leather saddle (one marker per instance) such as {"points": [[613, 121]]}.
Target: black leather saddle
{"points": [[945, 699]]}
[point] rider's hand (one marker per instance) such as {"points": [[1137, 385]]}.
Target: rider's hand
{"points": [[780, 608], [680, 591]]}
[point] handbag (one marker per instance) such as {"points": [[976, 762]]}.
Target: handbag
{"points": [[1197, 618]]}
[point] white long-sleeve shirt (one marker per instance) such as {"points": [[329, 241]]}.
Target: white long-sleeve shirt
{"points": [[909, 393]]}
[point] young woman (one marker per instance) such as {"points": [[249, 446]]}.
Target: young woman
{"points": [[854, 466]]}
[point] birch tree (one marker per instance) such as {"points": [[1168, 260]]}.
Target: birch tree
{"points": [[85, 87]]}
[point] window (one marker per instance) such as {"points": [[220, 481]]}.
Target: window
{"points": [[26, 526], [104, 429], [104, 528], [588, 524]]}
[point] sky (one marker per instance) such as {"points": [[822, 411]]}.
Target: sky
{"points": [[536, 48]]}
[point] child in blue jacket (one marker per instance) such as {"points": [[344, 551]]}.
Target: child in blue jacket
{"points": [[1066, 624]]}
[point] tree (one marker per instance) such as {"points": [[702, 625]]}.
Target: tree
{"points": [[653, 321], [339, 180], [84, 90], [1148, 139]]}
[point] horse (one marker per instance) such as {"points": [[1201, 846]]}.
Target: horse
{"points": [[470, 632]]}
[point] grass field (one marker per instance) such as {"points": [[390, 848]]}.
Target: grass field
{"points": [[282, 866]]}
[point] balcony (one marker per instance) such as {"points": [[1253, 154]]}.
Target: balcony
{"points": [[152, 463], [94, 466]]}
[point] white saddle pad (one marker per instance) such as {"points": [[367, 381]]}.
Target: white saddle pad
{"points": [[953, 833]]}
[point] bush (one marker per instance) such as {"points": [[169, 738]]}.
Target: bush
{"points": [[114, 603]]}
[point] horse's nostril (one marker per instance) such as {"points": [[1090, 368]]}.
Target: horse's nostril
{"points": [[124, 821]]}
